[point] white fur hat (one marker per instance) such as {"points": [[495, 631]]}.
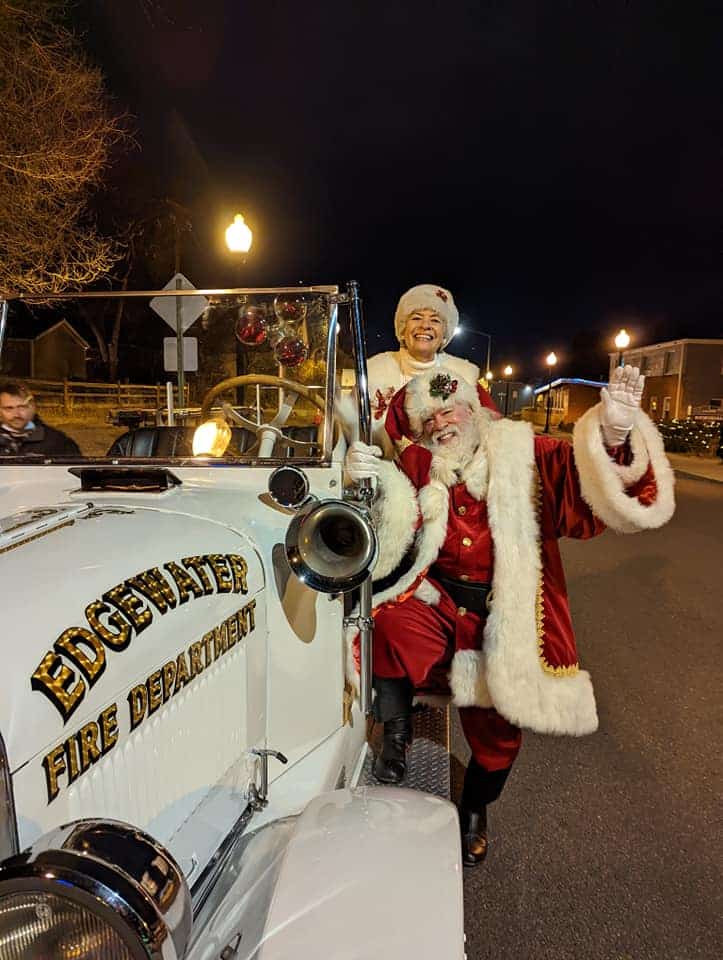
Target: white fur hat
{"points": [[433, 298], [434, 391]]}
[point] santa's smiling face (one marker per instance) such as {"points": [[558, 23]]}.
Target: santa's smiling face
{"points": [[424, 331], [451, 432]]}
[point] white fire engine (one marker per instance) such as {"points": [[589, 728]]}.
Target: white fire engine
{"points": [[182, 755]]}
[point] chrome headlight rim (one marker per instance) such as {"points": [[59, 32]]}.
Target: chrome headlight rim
{"points": [[64, 863], [313, 577]]}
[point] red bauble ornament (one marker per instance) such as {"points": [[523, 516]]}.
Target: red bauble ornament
{"points": [[251, 327], [290, 309], [290, 351]]}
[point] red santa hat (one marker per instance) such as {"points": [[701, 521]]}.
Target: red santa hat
{"points": [[431, 297], [427, 393]]}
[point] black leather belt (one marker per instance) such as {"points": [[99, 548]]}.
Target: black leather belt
{"points": [[471, 595]]}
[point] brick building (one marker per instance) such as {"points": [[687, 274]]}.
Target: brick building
{"points": [[683, 378], [571, 397]]}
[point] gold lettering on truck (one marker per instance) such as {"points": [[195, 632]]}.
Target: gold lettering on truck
{"points": [[79, 656], [81, 750]]}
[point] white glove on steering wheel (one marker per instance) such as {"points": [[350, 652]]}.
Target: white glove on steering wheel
{"points": [[362, 461], [620, 399]]}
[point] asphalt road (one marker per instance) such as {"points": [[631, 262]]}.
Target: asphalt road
{"points": [[610, 847]]}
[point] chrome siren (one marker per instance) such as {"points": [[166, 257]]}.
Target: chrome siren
{"points": [[331, 546]]}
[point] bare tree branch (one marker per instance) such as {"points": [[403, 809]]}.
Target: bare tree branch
{"points": [[57, 135]]}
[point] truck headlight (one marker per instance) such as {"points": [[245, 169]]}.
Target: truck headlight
{"points": [[94, 890]]}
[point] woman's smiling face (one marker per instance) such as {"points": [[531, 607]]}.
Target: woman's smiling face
{"points": [[424, 332]]}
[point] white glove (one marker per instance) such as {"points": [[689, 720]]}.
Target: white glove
{"points": [[620, 400], [362, 461]]}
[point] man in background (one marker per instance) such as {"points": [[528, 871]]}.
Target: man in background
{"points": [[22, 432]]}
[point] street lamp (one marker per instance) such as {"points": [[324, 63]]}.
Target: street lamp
{"points": [[622, 342], [478, 333], [239, 236], [507, 374], [550, 360]]}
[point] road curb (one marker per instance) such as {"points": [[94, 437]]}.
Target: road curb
{"points": [[696, 476]]}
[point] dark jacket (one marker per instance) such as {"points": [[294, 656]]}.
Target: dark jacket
{"points": [[43, 440]]}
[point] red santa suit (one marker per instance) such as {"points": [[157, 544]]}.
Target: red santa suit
{"points": [[500, 523]]}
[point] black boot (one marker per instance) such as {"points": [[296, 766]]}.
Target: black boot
{"points": [[480, 788], [390, 765], [393, 708], [473, 827]]}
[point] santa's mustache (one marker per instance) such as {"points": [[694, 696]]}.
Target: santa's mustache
{"points": [[445, 431]]}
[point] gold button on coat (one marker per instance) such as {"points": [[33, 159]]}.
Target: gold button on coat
{"points": [[461, 511], [464, 576], [461, 611], [466, 542]]}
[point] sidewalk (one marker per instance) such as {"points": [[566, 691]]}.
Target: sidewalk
{"points": [[684, 464], [699, 468]]}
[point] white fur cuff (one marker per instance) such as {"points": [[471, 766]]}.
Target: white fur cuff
{"points": [[603, 483], [468, 681]]}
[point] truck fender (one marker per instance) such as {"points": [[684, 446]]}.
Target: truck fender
{"points": [[371, 872]]}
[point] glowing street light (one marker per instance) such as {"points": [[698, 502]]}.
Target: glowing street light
{"points": [[239, 236], [550, 360], [476, 333], [507, 374], [489, 376], [622, 342]]}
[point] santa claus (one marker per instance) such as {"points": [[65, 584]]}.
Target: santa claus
{"points": [[470, 576]]}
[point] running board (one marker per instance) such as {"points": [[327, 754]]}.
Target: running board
{"points": [[428, 760]]}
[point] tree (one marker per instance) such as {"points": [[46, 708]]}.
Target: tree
{"points": [[151, 236], [57, 135]]}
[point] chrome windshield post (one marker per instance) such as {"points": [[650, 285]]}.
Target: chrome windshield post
{"points": [[366, 494]]}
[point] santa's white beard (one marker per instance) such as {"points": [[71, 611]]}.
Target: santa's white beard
{"points": [[461, 447]]}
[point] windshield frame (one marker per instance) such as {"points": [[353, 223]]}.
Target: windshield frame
{"points": [[331, 292]]}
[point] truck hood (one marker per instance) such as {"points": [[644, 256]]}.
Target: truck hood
{"points": [[96, 599]]}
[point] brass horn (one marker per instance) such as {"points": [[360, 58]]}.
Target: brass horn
{"points": [[331, 545]]}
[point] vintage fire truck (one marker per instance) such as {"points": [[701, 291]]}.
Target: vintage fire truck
{"points": [[183, 753]]}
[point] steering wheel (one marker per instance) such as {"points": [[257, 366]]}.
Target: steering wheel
{"points": [[266, 433]]}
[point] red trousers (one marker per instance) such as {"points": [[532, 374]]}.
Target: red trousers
{"points": [[415, 640]]}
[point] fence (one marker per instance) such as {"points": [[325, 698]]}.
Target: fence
{"points": [[67, 395]]}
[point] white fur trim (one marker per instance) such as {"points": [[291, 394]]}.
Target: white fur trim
{"points": [[467, 679], [419, 404], [427, 593], [395, 515], [520, 688], [603, 483], [434, 505]]}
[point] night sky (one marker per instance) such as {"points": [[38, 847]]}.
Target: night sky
{"points": [[559, 166]]}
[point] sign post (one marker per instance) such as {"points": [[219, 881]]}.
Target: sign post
{"points": [[179, 313], [179, 347]]}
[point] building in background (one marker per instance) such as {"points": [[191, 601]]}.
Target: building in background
{"points": [[58, 353], [512, 396], [571, 397], [683, 378]]}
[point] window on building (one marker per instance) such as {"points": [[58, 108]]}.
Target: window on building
{"points": [[644, 364], [669, 361], [716, 403], [666, 408]]}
